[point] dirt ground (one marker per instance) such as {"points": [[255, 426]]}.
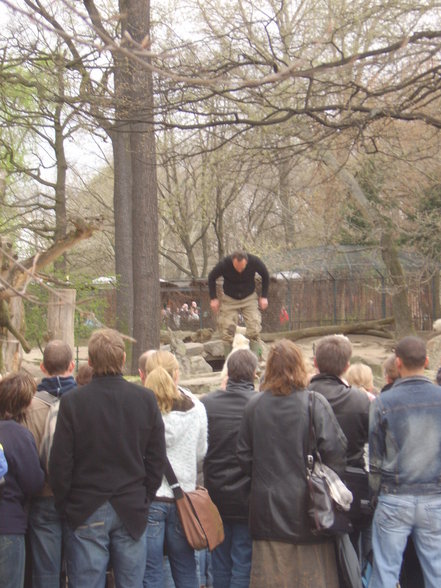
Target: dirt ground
{"points": [[366, 348]]}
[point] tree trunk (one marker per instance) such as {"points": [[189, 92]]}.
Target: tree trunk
{"points": [[283, 168], [395, 275], [145, 241], [377, 328], [122, 191], [60, 263]]}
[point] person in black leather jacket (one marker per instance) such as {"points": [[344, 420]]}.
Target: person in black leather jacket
{"points": [[272, 449], [223, 477]]}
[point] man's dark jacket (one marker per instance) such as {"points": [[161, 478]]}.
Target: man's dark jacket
{"points": [[223, 477], [108, 446], [351, 408], [238, 285]]}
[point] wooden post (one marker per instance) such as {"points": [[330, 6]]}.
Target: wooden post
{"points": [[60, 316], [13, 351]]}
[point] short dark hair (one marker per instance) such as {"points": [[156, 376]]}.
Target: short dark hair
{"points": [[241, 365], [106, 352], [57, 357], [390, 368], [84, 374], [332, 354], [412, 352], [239, 254], [16, 393]]}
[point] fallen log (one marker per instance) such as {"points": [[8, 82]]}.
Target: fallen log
{"points": [[376, 328]]}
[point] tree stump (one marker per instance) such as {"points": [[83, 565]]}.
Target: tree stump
{"points": [[61, 314]]}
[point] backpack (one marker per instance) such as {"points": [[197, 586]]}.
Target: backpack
{"points": [[49, 426]]}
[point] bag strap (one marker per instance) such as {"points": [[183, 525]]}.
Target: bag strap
{"points": [[47, 397], [312, 438], [173, 481]]}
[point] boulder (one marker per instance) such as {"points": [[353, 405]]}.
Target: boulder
{"points": [[193, 349], [198, 365], [214, 348]]}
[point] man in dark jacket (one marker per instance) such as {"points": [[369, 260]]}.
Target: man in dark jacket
{"points": [[351, 408], [238, 271], [350, 405], [223, 476], [107, 462]]}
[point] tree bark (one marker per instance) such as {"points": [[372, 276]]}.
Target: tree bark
{"points": [[145, 240], [400, 303], [122, 188]]}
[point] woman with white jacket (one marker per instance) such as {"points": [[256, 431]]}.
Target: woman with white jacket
{"points": [[185, 423]]}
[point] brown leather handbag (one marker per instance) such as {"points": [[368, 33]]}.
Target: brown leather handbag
{"points": [[199, 516]]}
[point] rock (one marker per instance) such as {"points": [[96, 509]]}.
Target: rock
{"points": [[202, 335], [198, 365], [194, 349], [202, 384], [214, 348]]}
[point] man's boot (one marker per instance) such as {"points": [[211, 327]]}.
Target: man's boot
{"points": [[256, 348]]}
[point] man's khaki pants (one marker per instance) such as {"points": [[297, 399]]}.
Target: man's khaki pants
{"points": [[229, 315]]}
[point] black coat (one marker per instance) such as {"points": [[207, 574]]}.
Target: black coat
{"points": [[108, 446], [272, 449], [351, 408], [223, 477]]}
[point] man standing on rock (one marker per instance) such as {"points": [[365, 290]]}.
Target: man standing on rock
{"points": [[239, 296]]}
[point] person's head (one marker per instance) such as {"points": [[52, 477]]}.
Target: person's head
{"points": [[411, 355], [242, 365], [285, 369], [142, 363], [57, 359], [164, 388], [166, 360], [438, 377], [390, 369], [84, 374], [106, 352], [16, 392], [332, 355], [240, 260], [360, 375]]}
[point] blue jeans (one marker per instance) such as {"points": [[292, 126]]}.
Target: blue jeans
{"points": [[396, 517], [204, 567], [12, 561], [232, 558], [163, 526], [100, 539], [46, 539]]}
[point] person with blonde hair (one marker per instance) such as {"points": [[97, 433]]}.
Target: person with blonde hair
{"points": [[271, 450], [185, 423], [361, 376]]}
